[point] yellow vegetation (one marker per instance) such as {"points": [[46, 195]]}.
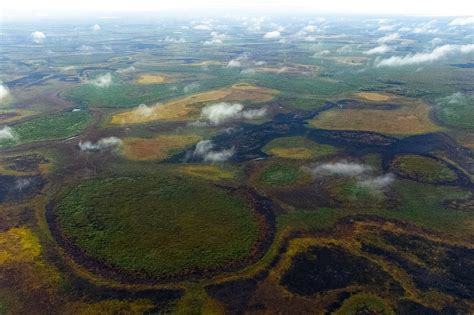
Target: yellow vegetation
{"points": [[109, 307], [209, 172], [189, 107], [156, 148], [151, 79], [18, 245], [373, 96], [411, 118]]}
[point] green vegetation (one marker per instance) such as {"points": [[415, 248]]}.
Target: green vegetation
{"points": [[422, 168], [297, 148], [158, 225], [364, 304], [456, 110], [281, 175], [120, 95], [51, 127]]}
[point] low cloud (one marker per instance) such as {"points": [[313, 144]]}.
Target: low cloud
{"points": [[219, 113], [102, 144], [361, 172], [4, 92], [202, 27], [386, 28], [102, 81], [95, 27], [169, 39], [237, 62], [143, 110], [38, 37], [418, 58], [248, 71], [7, 133], [272, 35], [322, 53], [216, 38], [309, 28], [388, 38], [379, 50], [127, 70], [205, 150], [462, 21], [341, 168], [191, 87], [377, 183]]}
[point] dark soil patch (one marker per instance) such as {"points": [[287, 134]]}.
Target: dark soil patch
{"points": [[320, 269], [19, 187], [25, 163]]}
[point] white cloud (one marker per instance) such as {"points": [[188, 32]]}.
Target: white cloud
{"points": [[216, 38], [169, 39], [404, 29], [344, 49], [237, 62], [126, 70], [191, 87], [102, 144], [143, 110], [461, 21], [309, 28], [248, 71], [102, 81], [425, 28], [4, 92], [204, 149], [202, 27], [386, 28], [388, 38], [95, 27], [435, 54], [382, 49], [219, 113], [38, 37], [322, 53], [254, 113], [377, 183], [7, 133], [341, 168], [272, 35]]}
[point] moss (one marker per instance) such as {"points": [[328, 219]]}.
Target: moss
{"points": [[422, 168], [158, 225], [298, 148]]}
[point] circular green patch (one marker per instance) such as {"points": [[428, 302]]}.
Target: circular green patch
{"points": [[160, 225], [298, 148], [282, 175], [423, 169], [364, 304]]}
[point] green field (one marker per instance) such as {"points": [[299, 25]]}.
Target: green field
{"points": [[158, 225], [298, 148], [424, 169], [51, 127]]}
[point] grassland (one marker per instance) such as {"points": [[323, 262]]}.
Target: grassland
{"points": [[411, 118], [422, 168], [374, 96], [456, 111], [298, 148], [279, 174], [150, 78], [158, 225], [208, 172], [158, 148], [51, 127], [189, 107]]}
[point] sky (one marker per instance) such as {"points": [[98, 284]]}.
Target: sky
{"points": [[11, 9]]}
